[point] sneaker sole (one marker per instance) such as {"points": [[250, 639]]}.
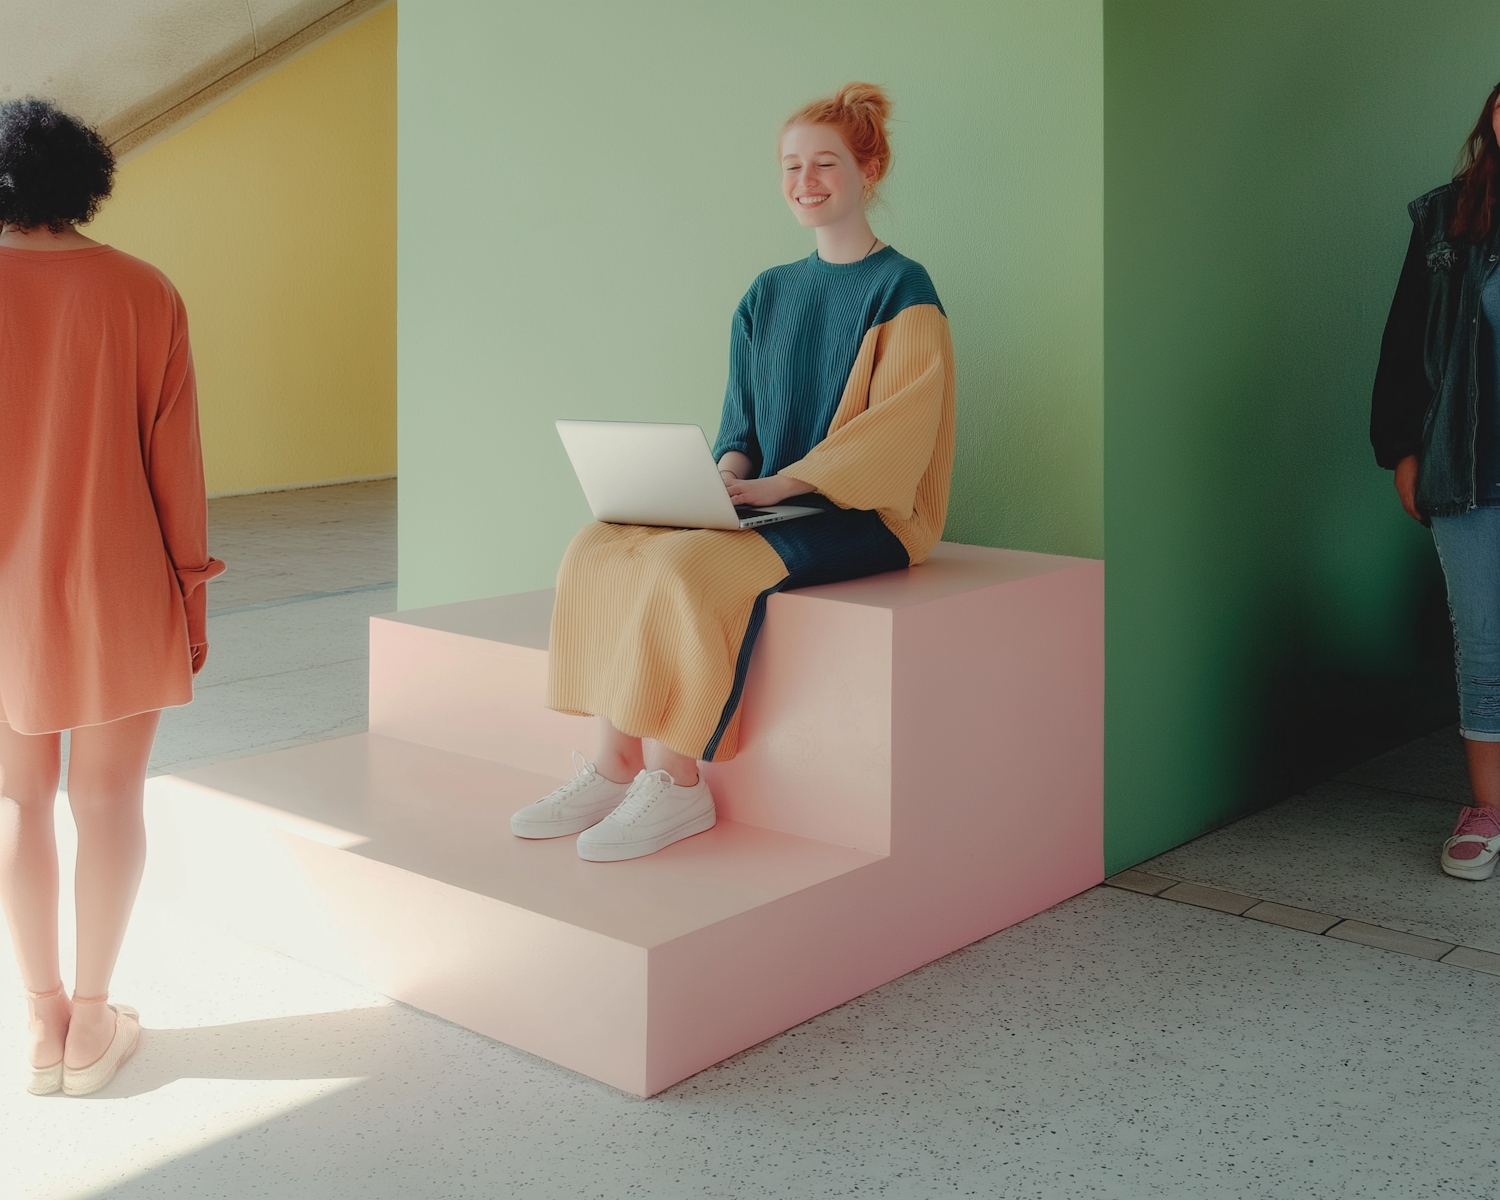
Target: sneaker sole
{"points": [[1460, 871], [537, 831], [619, 851]]}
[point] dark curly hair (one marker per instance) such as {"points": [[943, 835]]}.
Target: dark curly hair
{"points": [[54, 170]]}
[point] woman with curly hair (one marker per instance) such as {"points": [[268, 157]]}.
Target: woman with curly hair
{"points": [[840, 395], [103, 557], [1435, 421]]}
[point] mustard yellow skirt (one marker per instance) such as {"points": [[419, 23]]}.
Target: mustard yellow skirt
{"points": [[653, 628]]}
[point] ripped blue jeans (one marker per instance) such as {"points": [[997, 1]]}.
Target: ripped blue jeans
{"points": [[1469, 548]]}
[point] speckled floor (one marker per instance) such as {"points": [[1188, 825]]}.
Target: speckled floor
{"points": [[1117, 1046]]}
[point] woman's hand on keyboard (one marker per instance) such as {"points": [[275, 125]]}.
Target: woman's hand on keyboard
{"points": [[760, 493]]}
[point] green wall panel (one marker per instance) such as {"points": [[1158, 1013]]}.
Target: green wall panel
{"points": [[1272, 615], [586, 190]]}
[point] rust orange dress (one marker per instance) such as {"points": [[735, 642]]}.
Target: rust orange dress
{"points": [[103, 520]]}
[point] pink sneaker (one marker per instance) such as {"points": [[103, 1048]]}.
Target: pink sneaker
{"points": [[1471, 852]]}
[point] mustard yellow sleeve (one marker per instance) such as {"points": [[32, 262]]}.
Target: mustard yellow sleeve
{"points": [[884, 436]]}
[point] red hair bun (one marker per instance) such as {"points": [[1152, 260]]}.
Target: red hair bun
{"points": [[859, 112]]}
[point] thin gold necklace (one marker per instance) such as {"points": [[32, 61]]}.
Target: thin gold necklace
{"points": [[871, 250]]}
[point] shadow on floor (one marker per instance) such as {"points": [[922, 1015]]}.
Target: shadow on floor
{"points": [[1433, 766], [328, 1045]]}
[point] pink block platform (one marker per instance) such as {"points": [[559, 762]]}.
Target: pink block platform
{"points": [[921, 765]]}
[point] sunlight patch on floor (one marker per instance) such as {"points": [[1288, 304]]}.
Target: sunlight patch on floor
{"points": [[235, 1036]]}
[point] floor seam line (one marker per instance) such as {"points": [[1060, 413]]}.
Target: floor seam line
{"points": [[342, 662], [1453, 947], [322, 735], [1375, 787], [260, 604]]}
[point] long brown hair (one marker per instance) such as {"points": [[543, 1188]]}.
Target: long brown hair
{"points": [[1479, 173]]}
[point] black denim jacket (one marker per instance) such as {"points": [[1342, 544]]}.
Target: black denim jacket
{"points": [[1426, 399]]}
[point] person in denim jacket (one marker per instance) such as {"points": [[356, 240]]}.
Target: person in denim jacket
{"points": [[1435, 421]]}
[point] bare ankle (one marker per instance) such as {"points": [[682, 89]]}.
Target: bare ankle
{"points": [[684, 774], [49, 1018], [89, 1034], [615, 769]]}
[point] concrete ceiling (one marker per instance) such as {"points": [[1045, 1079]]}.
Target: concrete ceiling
{"points": [[139, 70]]}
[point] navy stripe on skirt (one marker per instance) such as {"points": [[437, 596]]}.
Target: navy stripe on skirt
{"points": [[839, 544]]}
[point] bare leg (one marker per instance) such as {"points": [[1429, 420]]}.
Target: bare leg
{"points": [[618, 758], [29, 767], [679, 766], [1484, 772], [621, 757], [106, 785]]}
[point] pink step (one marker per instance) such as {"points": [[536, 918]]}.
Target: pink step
{"points": [[920, 766]]}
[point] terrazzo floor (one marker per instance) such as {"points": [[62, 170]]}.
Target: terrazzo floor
{"points": [[1119, 1045]]}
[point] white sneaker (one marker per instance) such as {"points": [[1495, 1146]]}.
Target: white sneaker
{"points": [[584, 800], [656, 811]]}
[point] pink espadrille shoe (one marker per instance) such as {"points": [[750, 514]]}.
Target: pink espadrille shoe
{"points": [[80, 1081]]}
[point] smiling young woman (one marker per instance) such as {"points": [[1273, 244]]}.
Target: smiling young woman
{"points": [[840, 394]]}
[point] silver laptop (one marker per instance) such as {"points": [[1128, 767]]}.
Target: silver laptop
{"points": [[643, 473]]}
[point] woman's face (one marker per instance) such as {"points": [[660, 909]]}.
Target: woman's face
{"points": [[819, 177]]}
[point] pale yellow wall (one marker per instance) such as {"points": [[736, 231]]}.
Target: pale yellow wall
{"points": [[275, 216]]}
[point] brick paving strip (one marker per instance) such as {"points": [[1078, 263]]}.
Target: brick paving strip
{"points": [[1307, 921]]}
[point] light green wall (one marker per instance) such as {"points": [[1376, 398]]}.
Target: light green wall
{"points": [[1193, 210], [1272, 615], [587, 189]]}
